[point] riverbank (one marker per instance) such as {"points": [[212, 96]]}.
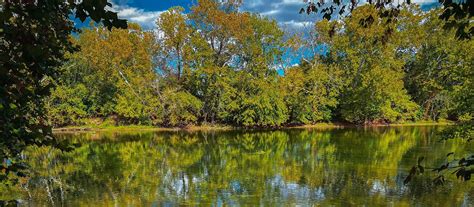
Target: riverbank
{"points": [[348, 125], [92, 128], [138, 127]]}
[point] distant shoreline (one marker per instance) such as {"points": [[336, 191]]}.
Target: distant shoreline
{"points": [[70, 129]]}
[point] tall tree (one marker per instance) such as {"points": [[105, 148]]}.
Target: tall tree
{"points": [[436, 66], [116, 69], [258, 86], [174, 34], [363, 48], [312, 92], [222, 26]]}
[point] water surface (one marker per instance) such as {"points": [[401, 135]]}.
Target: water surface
{"points": [[340, 167]]}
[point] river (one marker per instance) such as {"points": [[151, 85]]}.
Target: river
{"points": [[304, 167]]}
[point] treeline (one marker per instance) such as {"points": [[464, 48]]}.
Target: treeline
{"points": [[217, 65]]}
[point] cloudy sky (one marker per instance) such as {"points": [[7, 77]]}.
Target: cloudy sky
{"points": [[285, 12]]}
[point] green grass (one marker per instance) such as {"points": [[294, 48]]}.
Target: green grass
{"points": [[425, 123]]}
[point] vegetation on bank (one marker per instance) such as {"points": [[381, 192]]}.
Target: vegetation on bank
{"points": [[217, 66], [207, 127], [87, 128]]}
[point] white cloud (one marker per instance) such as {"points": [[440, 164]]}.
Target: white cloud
{"points": [[285, 12], [146, 19], [296, 24]]}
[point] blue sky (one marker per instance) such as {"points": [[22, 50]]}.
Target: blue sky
{"points": [[285, 12]]}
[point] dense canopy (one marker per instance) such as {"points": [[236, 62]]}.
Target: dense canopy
{"points": [[218, 65]]}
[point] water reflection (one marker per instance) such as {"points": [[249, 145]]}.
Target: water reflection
{"points": [[304, 167]]}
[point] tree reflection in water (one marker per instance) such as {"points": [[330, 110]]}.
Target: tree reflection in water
{"points": [[289, 167]]}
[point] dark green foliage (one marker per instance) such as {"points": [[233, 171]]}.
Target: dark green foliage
{"points": [[457, 14], [34, 37], [96, 10], [27, 62], [462, 167]]}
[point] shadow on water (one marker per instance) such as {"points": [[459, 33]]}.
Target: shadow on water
{"points": [[287, 167]]}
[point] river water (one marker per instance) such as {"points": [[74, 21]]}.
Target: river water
{"points": [[298, 167]]}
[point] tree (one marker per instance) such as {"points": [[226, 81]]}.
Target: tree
{"points": [[218, 32], [456, 14], [373, 75], [311, 92], [174, 35], [66, 105], [117, 71], [181, 108], [222, 27], [231, 57], [34, 36], [437, 68], [214, 86], [261, 100]]}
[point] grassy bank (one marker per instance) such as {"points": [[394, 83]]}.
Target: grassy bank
{"points": [[139, 128], [424, 123], [345, 125], [226, 127]]}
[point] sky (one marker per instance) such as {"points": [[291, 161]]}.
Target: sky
{"points": [[285, 12]]}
